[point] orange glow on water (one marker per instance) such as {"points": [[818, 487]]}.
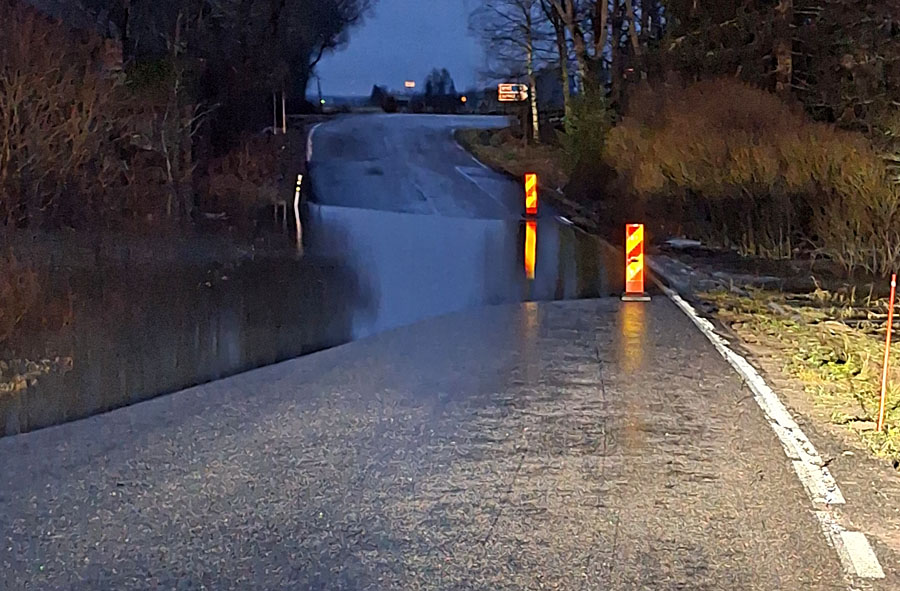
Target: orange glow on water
{"points": [[530, 248], [632, 325]]}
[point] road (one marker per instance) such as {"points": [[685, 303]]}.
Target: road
{"points": [[408, 164], [428, 230], [588, 444]]}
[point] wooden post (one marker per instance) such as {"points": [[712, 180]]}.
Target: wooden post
{"points": [[274, 113], [283, 113]]}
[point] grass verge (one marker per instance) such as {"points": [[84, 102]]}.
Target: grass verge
{"points": [[833, 344], [501, 150]]}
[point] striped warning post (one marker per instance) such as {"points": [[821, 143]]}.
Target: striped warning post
{"points": [[531, 194], [634, 263]]}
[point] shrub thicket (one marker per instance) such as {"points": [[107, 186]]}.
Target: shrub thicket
{"points": [[19, 292], [752, 173], [586, 128], [57, 120]]}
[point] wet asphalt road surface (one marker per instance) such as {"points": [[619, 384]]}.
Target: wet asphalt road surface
{"points": [[588, 444], [579, 445], [408, 164], [363, 271]]}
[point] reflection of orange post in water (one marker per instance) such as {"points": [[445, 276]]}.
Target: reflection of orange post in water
{"points": [[530, 247], [632, 326], [634, 263], [531, 194]]}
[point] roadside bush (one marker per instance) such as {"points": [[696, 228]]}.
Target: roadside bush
{"points": [[78, 141], [246, 178], [57, 120], [19, 292], [749, 172], [586, 127]]}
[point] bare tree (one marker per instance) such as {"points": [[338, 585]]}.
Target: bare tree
{"points": [[512, 30], [568, 10], [784, 14], [632, 28], [562, 49], [57, 128], [600, 19]]}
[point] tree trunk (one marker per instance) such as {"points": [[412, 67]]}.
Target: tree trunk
{"points": [[566, 9], [635, 41], [601, 27], [784, 63], [632, 28], [562, 48], [615, 65], [532, 82], [645, 21], [581, 57]]}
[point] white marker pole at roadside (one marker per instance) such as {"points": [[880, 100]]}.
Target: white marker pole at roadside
{"points": [[283, 113], [297, 214]]}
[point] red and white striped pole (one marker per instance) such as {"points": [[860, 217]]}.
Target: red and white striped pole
{"points": [[887, 353]]}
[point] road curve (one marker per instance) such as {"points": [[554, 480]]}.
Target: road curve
{"points": [[409, 164], [588, 444]]}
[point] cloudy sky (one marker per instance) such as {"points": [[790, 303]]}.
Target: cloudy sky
{"points": [[404, 40]]}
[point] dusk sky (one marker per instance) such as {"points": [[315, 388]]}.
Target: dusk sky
{"points": [[404, 40]]}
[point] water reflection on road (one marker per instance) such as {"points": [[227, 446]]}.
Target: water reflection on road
{"points": [[138, 335], [412, 267]]}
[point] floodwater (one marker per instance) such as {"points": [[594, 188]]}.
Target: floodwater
{"points": [[413, 267], [361, 272]]}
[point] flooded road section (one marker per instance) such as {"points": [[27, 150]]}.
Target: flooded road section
{"points": [[411, 267], [363, 271]]}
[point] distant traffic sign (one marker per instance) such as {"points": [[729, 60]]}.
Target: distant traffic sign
{"points": [[510, 93]]}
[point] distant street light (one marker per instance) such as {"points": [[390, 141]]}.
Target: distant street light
{"points": [[410, 84], [463, 99]]}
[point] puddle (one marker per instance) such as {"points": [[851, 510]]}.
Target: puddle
{"points": [[411, 267], [363, 272]]}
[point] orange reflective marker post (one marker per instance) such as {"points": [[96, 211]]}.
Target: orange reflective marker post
{"points": [[531, 194], [634, 264], [530, 248], [887, 352]]}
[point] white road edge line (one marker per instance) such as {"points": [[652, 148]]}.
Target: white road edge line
{"points": [[853, 548], [309, 141], [459, 169], [472, 156]]}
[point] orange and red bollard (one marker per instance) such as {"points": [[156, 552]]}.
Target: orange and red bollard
{"points": [[634, 264], [531, 194]]}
